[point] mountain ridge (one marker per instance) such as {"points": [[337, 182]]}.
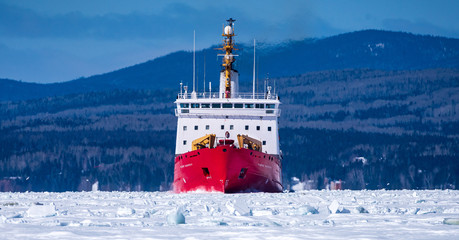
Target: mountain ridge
{"points": [[372, 49]]}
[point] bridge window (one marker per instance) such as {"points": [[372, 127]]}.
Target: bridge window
{"points": [[246, 127], [270, 105], [184, 105], [238, 105], [195, 105], [269, 129], [258, 105], [264, 142], [207, 127], [258, 128], [184, 142], [216, 105], [247, 105], [196, 127], [231, 127], [205, 105], [184, 128], [227, 105]]}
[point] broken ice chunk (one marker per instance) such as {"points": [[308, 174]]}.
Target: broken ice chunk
{"points": [[307, 210], [360, 209], [335, 207], [42, 211], [262, 212], [451, 221], [124, 212], [238, 208], [86, 223], [176, 217]]}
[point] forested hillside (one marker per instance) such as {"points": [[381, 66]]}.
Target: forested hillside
{"points": [[123, 139], [396, 102], [371, 128]]}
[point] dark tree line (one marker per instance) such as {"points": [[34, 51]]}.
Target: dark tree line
{"points": [[72, 161], [370, 160]]}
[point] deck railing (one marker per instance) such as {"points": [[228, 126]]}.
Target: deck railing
{"points": [[234, 96]]}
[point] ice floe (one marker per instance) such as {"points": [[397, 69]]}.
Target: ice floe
{"points": [[404, 214]]}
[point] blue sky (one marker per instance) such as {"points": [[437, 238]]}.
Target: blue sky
{"points": [[57, 40]]}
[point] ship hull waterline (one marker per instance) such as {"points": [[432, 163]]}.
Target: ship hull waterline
{"points": [[227, 169]]}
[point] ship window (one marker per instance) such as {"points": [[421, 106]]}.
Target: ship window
{"points": [[184, 105], [231, 127], [195, 105], [185, 111], [258, 128], [264, 142], [248, 105], [184, 128], [216, 105], [270, 105], [238, 105], [269, 111], [205, 105], [206, 172], [227, 105], [223, 127], [269, 129], [242, 173], [207, 127], [259, 105], [246, 127], [196, 127], [184, 142]]}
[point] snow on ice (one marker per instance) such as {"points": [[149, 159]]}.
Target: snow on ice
{"points": [[404, 214]]}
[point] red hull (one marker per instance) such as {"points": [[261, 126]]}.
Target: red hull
{"points": [[227, 169]]}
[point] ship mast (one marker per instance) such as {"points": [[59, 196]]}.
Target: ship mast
{"points": [[228, 47]]}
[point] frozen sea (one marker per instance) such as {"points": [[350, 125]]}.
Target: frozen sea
{"points": [[404, 214]]}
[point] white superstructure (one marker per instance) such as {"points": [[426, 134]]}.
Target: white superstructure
{"points": [[257, 118], [228, 113]]}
